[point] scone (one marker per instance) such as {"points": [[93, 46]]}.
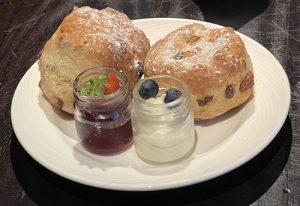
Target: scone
{"points": [[213, 62], [89, 38]]}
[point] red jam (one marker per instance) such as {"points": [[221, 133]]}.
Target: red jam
{"points": [[108, 141], [103, 124]]}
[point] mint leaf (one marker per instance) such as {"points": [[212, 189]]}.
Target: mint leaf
{"points": [[94, 88], [85, 90]]}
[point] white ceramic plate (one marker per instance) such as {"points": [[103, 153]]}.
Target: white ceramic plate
{"points": [[223, 144]]}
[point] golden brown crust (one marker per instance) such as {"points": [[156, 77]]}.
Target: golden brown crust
{"points": [[89, 38], [213, 62]]}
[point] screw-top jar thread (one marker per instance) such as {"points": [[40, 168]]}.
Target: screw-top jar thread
{"points": [[112, 99]]}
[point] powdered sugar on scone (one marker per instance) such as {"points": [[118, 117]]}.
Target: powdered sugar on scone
{"points": [[107, 25], [89, 38], [214, 63]]}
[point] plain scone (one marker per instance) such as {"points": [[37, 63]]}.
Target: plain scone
{"points": [[213, 62], [85, 39]]}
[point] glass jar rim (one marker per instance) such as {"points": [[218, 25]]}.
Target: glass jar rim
{"points": [[94, 70], [181, 102]]}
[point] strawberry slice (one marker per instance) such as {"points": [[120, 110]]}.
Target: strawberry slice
{"points": [[112, 84]]}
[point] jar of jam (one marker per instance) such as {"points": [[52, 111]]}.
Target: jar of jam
{"points": [[102, 120], [162, 119]]}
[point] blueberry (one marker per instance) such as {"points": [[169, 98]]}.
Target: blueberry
{"points": [[171, 95], [149, 88]]}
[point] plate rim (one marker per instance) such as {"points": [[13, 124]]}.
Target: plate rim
{"points": [[169, 185]]}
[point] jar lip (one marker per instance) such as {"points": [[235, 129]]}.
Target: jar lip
{"points": [[169, 104], [101, 70], [178, 101]]}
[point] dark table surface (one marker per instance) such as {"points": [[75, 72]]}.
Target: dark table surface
{"points": [[271, 178]]}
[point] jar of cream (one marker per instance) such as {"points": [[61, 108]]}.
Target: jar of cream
{"points": [[162, 119]]}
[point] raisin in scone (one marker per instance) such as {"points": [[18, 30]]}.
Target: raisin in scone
{"points": [[89, 38], [213, 62]]}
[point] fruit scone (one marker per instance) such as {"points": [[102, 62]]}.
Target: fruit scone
{"points": [[85, 39], [213, 62]]}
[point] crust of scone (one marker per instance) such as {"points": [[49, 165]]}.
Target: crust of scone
{"points": [[85, 39], [213, 62]]}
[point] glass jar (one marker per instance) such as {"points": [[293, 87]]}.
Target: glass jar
{"points": [[163, 132], [103, 124]]}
